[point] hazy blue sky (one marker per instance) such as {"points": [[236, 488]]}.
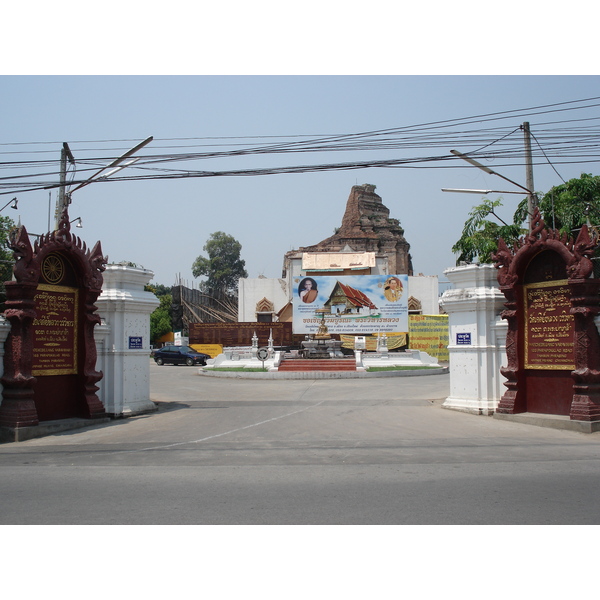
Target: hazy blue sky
{"points": [[163, 225], [84, 75], [407, 65]]}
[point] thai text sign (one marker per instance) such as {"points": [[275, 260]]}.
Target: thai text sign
{"points": [[136, 342], [55, 330], [463, 338], [239, 334], [371, 342], [430, 334], [213, 350], [549, 326], [360, 304]]}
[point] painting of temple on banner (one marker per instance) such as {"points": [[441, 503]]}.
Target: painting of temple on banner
{"points": [[360, 304]]}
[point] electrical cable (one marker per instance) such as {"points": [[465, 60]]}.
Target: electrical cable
{"points": [[564, 145], [549, 162]]}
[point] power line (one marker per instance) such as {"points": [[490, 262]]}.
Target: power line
{"points": [[558, 145], [513, 113]]}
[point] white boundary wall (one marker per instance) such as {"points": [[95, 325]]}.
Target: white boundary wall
{"points": [[477, 339], [125, 310], [252, 291]]}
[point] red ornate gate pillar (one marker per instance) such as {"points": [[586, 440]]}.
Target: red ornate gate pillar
{"points": [[18, 406], [50, 352], [552, 344], [585, 300], [513, 400]]}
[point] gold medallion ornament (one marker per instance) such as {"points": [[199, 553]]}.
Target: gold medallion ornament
{"points": [[53, 269]]}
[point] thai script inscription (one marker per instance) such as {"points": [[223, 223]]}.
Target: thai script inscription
{"points": [[55, 331], [549, 327]]}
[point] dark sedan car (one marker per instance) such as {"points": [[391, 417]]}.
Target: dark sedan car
{"points": [[179, 355]]}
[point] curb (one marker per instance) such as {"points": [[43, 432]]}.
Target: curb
{"points": [[550, 421], [46, 428], [322, 374]]}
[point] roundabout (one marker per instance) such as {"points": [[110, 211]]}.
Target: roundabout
{"points": [[241, 374], [247, 363]]}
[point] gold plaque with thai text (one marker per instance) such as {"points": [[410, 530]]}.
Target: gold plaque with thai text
{"points": [[55, 330], [549, 326]]}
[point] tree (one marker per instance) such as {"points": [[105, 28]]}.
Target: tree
{"points": [[6, 256], [565, 207], [160, 319], [223, 267], [158, 289], [568, 206], [479, 239]]}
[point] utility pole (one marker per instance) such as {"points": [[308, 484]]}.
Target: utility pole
{"points": [[62, 199], [532, 200]]}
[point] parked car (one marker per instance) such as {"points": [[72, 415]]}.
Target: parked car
{"points": [[179, 355]]}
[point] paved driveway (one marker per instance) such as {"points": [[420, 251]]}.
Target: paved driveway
{"points": [[368, 451]]}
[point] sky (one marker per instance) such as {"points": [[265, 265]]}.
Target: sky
{"points": [[111, 78], [163, 225], [83, 73]]}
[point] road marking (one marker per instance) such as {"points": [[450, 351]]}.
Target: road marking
{"points": [[217, 435]]}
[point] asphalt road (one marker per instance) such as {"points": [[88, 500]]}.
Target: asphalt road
{"points": [[366, 451]]}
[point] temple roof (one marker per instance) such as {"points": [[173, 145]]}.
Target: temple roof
{"points": [[354, 296]]}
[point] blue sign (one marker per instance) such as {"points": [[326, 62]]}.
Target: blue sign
{"points": [[463, 339], [135, 342]]}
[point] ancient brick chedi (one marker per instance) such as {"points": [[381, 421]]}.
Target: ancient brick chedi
{"points": [[367, 227]]}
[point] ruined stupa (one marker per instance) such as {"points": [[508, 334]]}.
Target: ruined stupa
{"points": [[367, 227]]}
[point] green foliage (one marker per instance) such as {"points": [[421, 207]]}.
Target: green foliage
{"points": [[479, 239], [223, 267], [568, 206], [158, 289], [160, 319], [6, 256], [398, 368], [238, 369], [127, 263], [565, 207]]}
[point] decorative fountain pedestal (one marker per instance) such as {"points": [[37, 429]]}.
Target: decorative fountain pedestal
{"points": [[322, 345]]}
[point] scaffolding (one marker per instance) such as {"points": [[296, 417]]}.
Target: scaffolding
{"points": [[193, 305]]}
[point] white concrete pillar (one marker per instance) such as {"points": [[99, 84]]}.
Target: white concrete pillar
{"points": [[101, 337], [4, 331], [123, 340], [477, 338]]}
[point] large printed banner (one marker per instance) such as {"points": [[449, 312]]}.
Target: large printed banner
{"points": [[430, 334], [358, 305]]}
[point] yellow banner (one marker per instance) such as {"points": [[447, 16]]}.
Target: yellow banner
{"points": [[213, 350], [430, 334], [394, 340]]}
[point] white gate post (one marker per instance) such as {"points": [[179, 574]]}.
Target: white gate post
{"points": [[477, 338], [124, 354]]}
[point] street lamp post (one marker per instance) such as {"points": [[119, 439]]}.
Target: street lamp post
{"points": [[481, 192], [13, 204], [531, 196]]}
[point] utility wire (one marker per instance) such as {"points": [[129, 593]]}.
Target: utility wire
{"points": [[564, 145], [549, 162]]}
